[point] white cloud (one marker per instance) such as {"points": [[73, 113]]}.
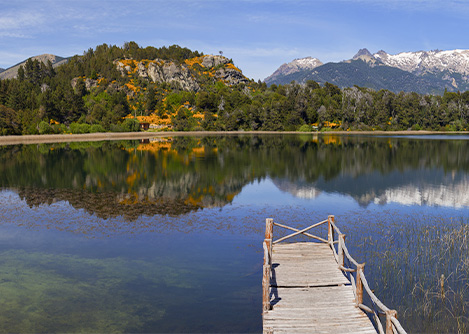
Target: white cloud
{"points": [[19, 24]]}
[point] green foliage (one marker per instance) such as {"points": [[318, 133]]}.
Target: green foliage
{"points": [[44, 128], [131, 125], [9, 122], [77, 128], [305, 128], [96, 128]]}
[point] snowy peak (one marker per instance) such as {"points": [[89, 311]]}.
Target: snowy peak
{"points": [[421, 62], [297, 65]]}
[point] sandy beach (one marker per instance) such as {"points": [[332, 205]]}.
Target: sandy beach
{"points": [[61, 138]]}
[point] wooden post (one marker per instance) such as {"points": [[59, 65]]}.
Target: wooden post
{"points": [[340, 251], [269, 228], [359, 284], [389, 314], [269, 233], [268, 256], [266, 279], [330, 230]]}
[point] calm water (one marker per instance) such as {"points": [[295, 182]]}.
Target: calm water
{"points": [[165, 236]]}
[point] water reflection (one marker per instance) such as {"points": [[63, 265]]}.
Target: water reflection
{"points": [[174, 176], [130, 235]]}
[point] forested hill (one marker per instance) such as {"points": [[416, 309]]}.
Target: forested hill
{"points": [[112, 88]]}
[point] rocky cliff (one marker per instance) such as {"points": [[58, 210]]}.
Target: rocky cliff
{"points": [[187, 75]]}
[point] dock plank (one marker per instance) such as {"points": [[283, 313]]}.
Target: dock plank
{"points": [[309, 294]]}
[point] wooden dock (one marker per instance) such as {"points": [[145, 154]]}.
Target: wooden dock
{"points": [[307, 288]]}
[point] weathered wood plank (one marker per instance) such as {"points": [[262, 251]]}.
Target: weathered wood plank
{"points": [[309, 293], [304, 264]]}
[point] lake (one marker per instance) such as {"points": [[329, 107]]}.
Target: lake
{"points": [[165, 235]]}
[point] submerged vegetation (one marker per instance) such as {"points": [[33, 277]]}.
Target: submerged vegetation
{"points": [[175, 88]]}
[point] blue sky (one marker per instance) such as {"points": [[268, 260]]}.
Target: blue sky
{"points": [[258, 35]]}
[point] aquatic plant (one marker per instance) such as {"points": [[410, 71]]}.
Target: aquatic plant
{"points": [[420, 265]]}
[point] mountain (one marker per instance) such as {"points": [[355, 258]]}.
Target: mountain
{"points": [[1, 70], [11, 72], [297, 65], [421, 62], [423, 71]]}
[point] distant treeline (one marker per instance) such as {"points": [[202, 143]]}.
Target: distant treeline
{"points": [[42, 99]]}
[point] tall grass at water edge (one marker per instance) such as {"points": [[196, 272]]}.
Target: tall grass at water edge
{"points": [[418, 265]]}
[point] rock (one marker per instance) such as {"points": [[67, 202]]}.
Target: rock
{"points": [[171, 73], [213, 61], [230, 76], [89, 83]]}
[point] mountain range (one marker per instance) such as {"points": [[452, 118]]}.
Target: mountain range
{"points": [[422, 72]]}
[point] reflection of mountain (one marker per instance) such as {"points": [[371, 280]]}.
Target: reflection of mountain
{"points": [[428, 187], [183, 174], [454, 195], [300, 190]]}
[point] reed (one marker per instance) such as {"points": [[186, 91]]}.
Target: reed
{"points": [[418, 264]]}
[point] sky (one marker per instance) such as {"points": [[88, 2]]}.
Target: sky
{"points": [[259, 35]]}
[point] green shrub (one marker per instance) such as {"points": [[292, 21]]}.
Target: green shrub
{"points": [[305, 128], [116, 128], [97, 128], [131, 125], [77, 128], [44, 128]]}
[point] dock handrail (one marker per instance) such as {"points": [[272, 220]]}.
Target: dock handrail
{"points": [[358, 282]]}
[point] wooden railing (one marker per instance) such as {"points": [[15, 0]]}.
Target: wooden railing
{"points": [[353, 270]]}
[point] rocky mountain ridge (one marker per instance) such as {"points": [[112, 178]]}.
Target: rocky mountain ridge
{"points": [[296, 65], [12, 71], [436, 70], [455, 61]]}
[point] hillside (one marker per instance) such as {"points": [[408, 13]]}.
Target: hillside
{"points": [[425, 72], [12, 72], [115, 89]]}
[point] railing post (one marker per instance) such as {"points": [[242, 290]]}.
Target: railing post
{"points": [[389, 314], [269, 235], [330, 230], [359, 284], [269, 225], [269, 228], [266, 281], [340, 251]]}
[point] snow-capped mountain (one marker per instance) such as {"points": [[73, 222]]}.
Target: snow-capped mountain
{"points": [[296, 65], [421, 71], [456, 61]]}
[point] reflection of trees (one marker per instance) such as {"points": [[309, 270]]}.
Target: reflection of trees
{"points": [[179, 175]]}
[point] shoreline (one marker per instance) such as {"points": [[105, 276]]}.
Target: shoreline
{"points": [[110, 136]]}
